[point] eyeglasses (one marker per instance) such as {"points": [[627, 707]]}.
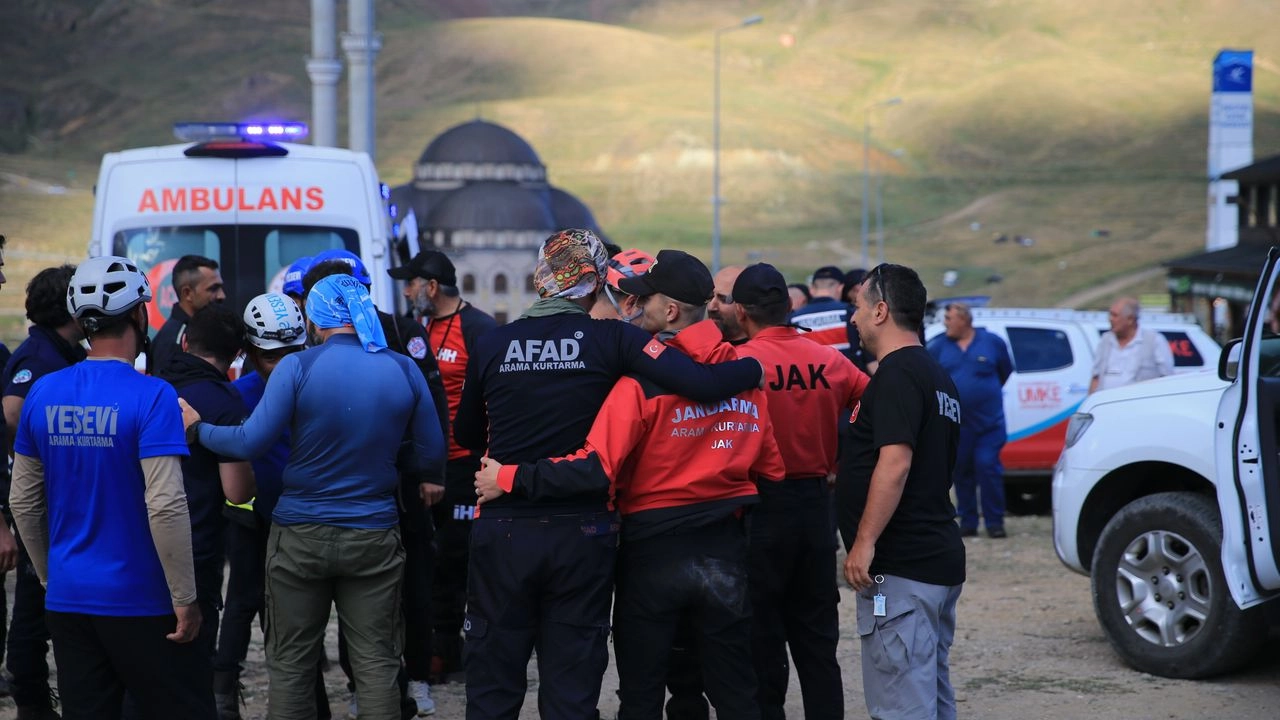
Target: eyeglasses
{"points": [[878, 284]]}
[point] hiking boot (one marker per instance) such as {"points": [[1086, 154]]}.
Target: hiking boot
{"points": [[420, 692], [226, 694], [38, 712]]}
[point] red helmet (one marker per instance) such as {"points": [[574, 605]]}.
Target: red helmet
{"points": [[627, 263]]}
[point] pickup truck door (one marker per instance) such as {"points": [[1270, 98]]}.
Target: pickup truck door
{"points": [[1246, 447]]}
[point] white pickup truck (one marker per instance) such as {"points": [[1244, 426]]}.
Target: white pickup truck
{"points": [[1165, 495]]}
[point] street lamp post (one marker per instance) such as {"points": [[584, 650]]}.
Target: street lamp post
{"points": [[715, 142], [866, 171], [880, 209]]}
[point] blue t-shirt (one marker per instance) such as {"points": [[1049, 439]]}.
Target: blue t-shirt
{"points": [[979, 374], [268, 470], [89, 425], [347, 411]]}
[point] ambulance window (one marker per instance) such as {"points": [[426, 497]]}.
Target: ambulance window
{"points": [[1039, 349], [1184, 351], [148, 247], [468, 283], [284, 245], [500, 284]]}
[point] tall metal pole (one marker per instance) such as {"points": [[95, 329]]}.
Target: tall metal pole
{"points": [[715, 144], [361, 45], [866, 183], [880, 217], [866, 172], [325, 68], [715, 168]]}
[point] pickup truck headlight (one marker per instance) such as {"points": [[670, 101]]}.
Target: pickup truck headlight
{"points": [[1076, 426]]}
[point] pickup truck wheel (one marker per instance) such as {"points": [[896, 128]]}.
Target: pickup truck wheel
{"points": [[1159, 591]]}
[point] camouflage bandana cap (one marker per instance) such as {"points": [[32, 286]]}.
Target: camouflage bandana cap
{"points": [[571, 264]]}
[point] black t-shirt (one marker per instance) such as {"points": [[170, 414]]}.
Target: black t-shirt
{"points": [[910, 400]]}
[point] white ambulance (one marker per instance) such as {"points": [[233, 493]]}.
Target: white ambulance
{"points": [[1052, 352], [240, 193]]}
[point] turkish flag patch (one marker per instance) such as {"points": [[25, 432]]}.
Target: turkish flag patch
{"points": [[654, 349]]}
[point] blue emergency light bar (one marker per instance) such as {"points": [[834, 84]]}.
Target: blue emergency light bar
{"points": [[206, 131]]}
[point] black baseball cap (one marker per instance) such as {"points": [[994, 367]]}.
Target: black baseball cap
{"points": [[760, 284], [430, 265], [828, 272], [676, 274]]}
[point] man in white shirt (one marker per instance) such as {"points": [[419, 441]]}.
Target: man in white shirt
{"points": [[1129, 354]]}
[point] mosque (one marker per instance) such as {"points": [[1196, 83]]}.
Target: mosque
{"points": [[480, 195]]}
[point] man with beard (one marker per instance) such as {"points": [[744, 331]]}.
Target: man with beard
{"points": [[453, 326]]}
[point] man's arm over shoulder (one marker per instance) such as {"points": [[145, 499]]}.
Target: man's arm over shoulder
{"points": [[617, 430], [646, 356]]}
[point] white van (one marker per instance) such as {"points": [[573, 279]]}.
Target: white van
{"points": [[1052, 351], [237, 193]]}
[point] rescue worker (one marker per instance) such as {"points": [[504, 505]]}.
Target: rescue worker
{"points": [[453, 326], [683, 474], [214, 337], [418, 493], [196, 282], [541, 569], [53, 343], [720, 309], [621, 305], [274, 328], [793, 591], [98, 498], [335, 537]]}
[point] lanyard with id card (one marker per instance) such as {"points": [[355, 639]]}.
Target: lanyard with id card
{"points": [[877, 600]]}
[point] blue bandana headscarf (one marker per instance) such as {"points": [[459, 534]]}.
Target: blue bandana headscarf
{"points": [[341, 300]]}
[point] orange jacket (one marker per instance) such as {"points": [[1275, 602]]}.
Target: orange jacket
{"points": [[664, 452]]}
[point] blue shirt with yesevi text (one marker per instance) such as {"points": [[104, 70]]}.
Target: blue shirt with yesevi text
{"points": [[347, 412], [89, 425]]}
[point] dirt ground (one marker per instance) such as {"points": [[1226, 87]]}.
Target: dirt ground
{"points": [[1027, 646]]}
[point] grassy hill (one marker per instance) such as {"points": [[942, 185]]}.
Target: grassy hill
{"points": [[1038, 118]]}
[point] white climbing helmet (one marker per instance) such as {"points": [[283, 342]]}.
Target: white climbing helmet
{"points": [[106, 285], [273, 320]]}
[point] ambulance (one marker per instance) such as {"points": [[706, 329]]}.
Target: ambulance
{"points": [[250, 197], [1053, 351]]}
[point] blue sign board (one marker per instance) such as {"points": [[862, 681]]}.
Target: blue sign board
{"points": [[1233, 71]]}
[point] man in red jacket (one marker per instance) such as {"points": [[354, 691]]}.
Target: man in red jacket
{"points": [[793, 591], [683, 472]]}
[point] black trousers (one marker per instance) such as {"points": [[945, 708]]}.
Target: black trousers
{"points": [[28, 637], [453, 545], [794, 597], [246, 548], [101, 657], [540, 584], [699, 576]]}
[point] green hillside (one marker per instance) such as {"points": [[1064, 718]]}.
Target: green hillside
{"points": [[1038, 118]]}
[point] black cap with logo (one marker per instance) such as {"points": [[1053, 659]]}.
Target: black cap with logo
{"points": [[828, 272], [760, 284], [429, 265], [676, 274]]}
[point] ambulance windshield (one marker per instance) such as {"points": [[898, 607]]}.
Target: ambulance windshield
{"points": [[252, 258]]}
